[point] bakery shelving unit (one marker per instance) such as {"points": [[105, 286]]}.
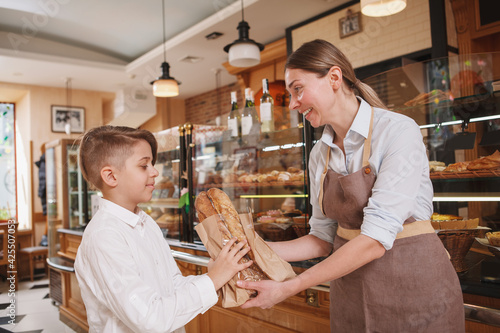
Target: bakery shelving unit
{"points": [[164, 204], [456, 103], [261, 173]]}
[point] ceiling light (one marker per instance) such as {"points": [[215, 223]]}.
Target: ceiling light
{"points": [[213, 35], [379, 8], [165, 85], [191, 59], [243, 52]]}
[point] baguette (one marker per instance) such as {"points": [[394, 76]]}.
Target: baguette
{"points": [[216, 202]]}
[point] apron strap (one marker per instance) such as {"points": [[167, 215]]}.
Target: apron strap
{"points": [[322, 180], [409, 230], [366, 156], [368, 143]]}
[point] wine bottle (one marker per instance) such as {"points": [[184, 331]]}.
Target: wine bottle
{"points": [[249, 117], [234, 118], [266, 109]]}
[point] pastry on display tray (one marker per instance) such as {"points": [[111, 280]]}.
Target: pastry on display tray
{"points": [[488, 166], [493, 249]]}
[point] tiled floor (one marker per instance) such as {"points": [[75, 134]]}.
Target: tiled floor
{"points": [[35, 312]]}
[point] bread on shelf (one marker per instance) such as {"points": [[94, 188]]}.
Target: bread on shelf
{"points": [[493, 238]]}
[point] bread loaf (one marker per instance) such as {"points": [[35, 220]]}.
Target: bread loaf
{"points": [[216, 202], [493, 238]]}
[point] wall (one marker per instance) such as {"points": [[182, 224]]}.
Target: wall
{"points": [[203, 109], [380, 39], [33, 128], [170, 112]]}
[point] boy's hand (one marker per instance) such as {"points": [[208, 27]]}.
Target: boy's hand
{"points": [[227, 263]]}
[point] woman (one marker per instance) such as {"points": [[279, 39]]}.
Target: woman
{"points": [[369, 173]]}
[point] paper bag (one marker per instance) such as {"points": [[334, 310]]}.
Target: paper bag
{"points": [[275, 268]]}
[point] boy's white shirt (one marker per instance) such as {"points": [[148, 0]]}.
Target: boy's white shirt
{"points": [[129, 279]]}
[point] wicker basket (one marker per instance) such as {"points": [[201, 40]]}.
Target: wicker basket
{"points": [[301, 229], [275, 233], [458, 243]]}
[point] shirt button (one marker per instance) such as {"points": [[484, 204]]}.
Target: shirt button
{"points": [[367, 170]]}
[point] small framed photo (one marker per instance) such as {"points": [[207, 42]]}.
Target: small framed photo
{"points": [[350, 24], [62, 116]]}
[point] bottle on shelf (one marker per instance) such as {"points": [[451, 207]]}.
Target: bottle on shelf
{"points": [[234, 118], [249, 119], [266, 109]]}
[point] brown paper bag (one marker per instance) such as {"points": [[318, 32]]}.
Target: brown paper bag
{"points": [[276, 268]]}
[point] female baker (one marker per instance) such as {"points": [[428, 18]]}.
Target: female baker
{"points": [[372, 200]]}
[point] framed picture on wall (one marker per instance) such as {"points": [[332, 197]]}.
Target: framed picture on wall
{"points": [[69, 119], [350, 24]]}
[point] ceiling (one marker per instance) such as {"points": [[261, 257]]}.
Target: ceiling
{"points": [[113, 44]]}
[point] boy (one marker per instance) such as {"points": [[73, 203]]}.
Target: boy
{"points": [[128, 278]]}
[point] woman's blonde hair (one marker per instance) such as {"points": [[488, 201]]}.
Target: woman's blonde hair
{"points": [[110, 145], [318, 56]]}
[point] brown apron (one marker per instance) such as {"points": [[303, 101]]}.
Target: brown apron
{"points": [[412, 288]]}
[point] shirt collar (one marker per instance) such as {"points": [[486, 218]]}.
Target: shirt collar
{"points": [[121, 213], [360, 125]]}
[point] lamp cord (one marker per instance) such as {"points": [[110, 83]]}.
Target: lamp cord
{"points": [[164, 47], [242, 12]]}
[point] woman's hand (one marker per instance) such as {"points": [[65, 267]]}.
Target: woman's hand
{"points": [[269, 293], [227, 263]]}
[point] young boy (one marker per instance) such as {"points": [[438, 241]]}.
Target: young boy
{"points": [[128, 278]]}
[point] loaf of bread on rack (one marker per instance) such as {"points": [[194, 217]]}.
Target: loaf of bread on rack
{"points": [[216, 202], [493, 238], [486, 163]]}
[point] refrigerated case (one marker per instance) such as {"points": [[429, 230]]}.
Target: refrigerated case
{"points": [[68, 195], [263, 174], [456, 103]]}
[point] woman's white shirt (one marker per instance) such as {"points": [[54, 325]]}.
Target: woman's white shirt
{"points": [[398, 158]]}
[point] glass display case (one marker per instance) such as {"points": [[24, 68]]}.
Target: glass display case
{"points": [[164, 205], [263, 174], [68, 195], [456, 103]]}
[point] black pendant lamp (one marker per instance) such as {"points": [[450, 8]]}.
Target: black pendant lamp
{"points": [[243, 52], [165, 85]]}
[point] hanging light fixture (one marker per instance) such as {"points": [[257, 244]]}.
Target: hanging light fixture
{"points": [[67, 126], [165, 85], [243, 52], [379, 8]]}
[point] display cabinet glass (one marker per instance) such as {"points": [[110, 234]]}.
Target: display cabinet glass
{"points": [[164, 204], [68, 195], [456, 103]]}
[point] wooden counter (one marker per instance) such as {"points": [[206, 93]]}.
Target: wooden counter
{"points": [[63, 284], [307, 311]]}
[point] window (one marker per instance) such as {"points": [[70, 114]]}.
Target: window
{"points": [[8, 202]]}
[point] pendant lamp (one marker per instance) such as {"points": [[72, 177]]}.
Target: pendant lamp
{"points": [[378, 8], [165, 85], [67, 126], [243, 52]]}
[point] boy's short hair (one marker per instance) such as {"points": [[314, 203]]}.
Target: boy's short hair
{"points": [[110, 145]]}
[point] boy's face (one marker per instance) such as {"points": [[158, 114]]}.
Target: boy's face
{"points": [[137, 177]]}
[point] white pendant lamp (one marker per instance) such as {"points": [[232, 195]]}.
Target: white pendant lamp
{"points": [[165, 85], [243, 52], [378, 8]]}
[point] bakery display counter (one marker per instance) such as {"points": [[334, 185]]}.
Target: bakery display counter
{"points": [[465, 174], [480, 286]]}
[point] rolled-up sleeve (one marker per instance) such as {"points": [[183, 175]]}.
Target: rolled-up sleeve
{"points": [[399, 177]]}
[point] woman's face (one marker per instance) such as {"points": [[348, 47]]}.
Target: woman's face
{"points": [[311, 95]]}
